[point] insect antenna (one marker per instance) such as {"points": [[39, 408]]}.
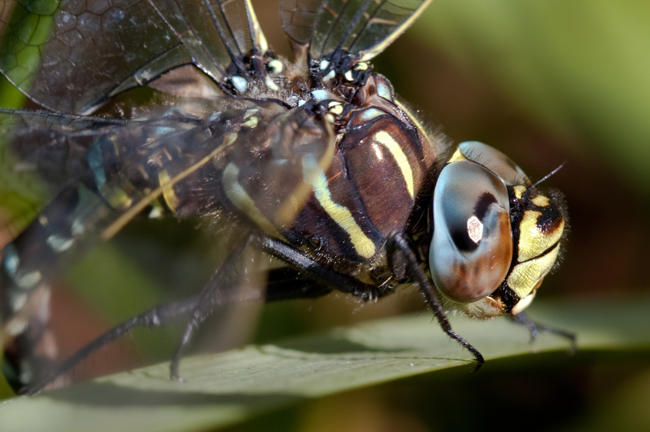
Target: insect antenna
{"points": [[547, 176]]}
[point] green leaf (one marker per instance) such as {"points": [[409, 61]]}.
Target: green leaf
{"points": [[227, 388]]}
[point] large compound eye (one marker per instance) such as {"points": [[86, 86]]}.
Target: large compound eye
{"points": [[471, 249]]}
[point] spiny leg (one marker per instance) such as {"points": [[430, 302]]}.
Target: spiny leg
{"points": [[154, 317], [536, 328], [397, 243], [219, 290]]}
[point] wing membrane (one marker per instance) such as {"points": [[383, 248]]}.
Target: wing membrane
{"points": [[363, 27], [121, 167], [72, 56]]}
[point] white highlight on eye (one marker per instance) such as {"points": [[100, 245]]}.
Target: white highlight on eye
{"points": [[384, 138], [475, 229], [340, 214]]}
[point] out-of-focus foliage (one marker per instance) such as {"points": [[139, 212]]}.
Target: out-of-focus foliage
{"points": [[580, 66]]}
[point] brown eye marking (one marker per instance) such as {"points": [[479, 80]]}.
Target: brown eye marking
{"points": [[483, 203]]}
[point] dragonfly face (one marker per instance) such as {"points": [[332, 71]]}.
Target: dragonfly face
{"points": [[315, 161]]}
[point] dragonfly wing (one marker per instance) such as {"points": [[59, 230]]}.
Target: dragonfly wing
{"points": [[73, 56], [361, 27], [187, 158]]}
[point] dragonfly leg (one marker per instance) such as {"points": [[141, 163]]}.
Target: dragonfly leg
{"points": [[219, 291], [306, 265], [536, 328], [154, 317], [399, 244], [286, 284]]}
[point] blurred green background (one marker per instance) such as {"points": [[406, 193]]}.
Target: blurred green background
{"points": [[545, 81]]}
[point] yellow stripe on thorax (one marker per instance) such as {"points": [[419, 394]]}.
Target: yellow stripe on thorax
{"points": [[340, 214], [384, 138]]}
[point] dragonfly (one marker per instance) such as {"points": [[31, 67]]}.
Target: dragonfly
{"points": [[313, 161]]}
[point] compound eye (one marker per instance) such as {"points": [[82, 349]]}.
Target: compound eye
{"points": [[471, 248]]}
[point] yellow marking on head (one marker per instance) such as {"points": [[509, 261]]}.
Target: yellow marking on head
{"points": [[168, 191], [519, 191], [525, 276], [540, 201], [457, 156], [532, 240], [340, 214], [240, 199], [384, 138], [523, 304]]}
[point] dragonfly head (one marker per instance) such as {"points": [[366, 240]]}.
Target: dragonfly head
{"points": [[495, 237]]}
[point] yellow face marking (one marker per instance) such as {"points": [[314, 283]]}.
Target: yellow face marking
{"points": [[240, 198], [384, 138], [525, 276], [457, 157], [340, 214], [168, 191], [523, 304], [540, 201], [532, 240], [519, 191]]}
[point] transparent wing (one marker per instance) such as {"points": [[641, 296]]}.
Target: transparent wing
{"points": [[363, 27], [232, 155], [73, 56]]}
